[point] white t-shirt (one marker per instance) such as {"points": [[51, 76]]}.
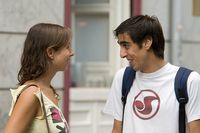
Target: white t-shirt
{"points": [[151, 103]]}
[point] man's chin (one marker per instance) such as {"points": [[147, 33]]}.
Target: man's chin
{"points": [[131, 65]]}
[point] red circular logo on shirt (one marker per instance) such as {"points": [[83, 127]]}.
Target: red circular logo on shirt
{"points": [[146, 104]]}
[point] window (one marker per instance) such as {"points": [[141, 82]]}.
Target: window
{"points": [[90, 25]]}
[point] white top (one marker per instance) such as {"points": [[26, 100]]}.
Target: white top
{"points": [[151, 103]]}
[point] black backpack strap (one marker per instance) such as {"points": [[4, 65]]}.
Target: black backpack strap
{"points": [[128, 77], [182, 95]]}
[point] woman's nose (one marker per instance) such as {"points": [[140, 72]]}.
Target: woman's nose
{"points": [[71, 52]]}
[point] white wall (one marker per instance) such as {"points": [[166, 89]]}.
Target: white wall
{"points": [[188, 29], [17, 16], [86, 111], [16, 19]]}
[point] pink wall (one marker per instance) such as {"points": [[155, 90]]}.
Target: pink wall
{"points": [[67, 80], [136, 7]]}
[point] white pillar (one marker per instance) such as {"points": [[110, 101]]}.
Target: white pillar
{"points": [[176, 31]]}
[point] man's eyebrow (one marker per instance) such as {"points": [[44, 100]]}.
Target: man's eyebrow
{"points": [[122, 42]]}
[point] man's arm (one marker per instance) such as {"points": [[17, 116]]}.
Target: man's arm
{"points": [[194, 126], [117, 126]]}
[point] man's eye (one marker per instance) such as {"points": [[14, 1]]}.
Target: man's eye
{"points": [[126, 46]]}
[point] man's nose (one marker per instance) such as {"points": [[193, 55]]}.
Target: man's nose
{"points": [[123, 52]]}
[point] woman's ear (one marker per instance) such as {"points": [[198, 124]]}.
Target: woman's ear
{"points": [[50, 52]]}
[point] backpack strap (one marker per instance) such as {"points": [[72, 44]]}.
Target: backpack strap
{"points": [[128, 77], [180, 87]]}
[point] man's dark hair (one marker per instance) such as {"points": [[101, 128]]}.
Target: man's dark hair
{"points": [[141, 27]]}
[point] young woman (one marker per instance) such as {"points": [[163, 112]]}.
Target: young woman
{"points": [[47, 50]]}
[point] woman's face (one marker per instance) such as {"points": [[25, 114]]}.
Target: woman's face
{"points": [[61, 58]]}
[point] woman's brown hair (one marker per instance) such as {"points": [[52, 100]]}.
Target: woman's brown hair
{"points": [[34, 59]]}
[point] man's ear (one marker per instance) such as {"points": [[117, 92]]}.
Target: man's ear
{"points": [[50, 52], [148, 42]]}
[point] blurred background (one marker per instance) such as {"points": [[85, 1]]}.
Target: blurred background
{"points": [[84, 88]]}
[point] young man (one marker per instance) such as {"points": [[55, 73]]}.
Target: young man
{"points": [[151, 105]]}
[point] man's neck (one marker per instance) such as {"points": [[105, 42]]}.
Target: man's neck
{"points": [[153, 64]]}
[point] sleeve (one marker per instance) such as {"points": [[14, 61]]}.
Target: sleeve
{"points": [[193, 105], [113, 104], [15, 94]]}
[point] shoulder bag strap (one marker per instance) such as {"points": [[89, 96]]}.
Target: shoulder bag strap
{"points": [[45, 114]]}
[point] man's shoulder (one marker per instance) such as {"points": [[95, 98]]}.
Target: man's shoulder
{"points": [[194, 77], [119, 75], [120, 72]]}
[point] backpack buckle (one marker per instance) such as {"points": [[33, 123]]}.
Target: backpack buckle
{"points": [[123, 99], [183, 100]]}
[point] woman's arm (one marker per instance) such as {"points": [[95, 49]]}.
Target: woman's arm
{"points": [[24, 112]]}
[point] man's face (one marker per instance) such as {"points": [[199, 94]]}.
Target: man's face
{"points": [[136, 56]]}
